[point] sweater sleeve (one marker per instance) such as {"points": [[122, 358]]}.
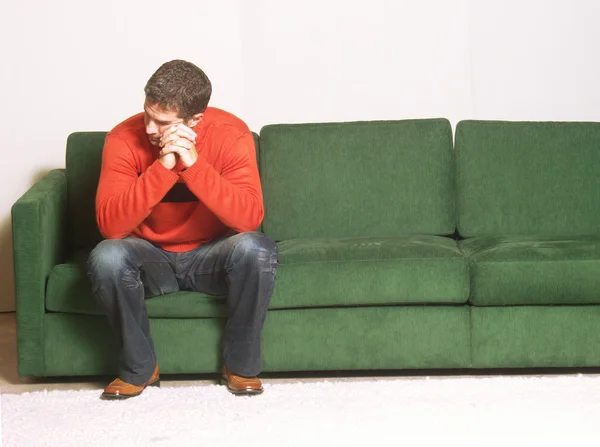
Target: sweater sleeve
{"points": [[234, 195], [124, 198]]}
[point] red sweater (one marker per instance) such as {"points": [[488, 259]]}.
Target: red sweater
{"points": [[174, 209]]}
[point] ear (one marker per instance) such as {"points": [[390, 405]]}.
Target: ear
{"points": [[194, 120]]}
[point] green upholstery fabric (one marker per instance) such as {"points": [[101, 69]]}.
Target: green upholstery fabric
{"points": [[366, 279], [519, 178], [535, 336], [367, 338], [533, 270], [293, 340], [312, 273], [84, 158], [39, 243], [377, 270], [357, 179], [69, 290], [83, 162], [85, 345]]}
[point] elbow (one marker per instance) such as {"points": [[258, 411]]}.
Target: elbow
{"points": [[110, 231], [114, 235], [108, 224], [252, 223]]}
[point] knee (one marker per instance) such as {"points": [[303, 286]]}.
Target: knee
{"points": [[257, 249], [111, 263], [109, 256]]}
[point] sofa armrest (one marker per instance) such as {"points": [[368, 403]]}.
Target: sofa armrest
{"points": [[39, 220]]}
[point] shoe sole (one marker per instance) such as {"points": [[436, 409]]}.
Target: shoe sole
{"points": [[241, 392], [110, 396]]}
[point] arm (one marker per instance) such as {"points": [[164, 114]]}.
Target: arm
{"points": [[39, 221], [123, 199], [233, 195]]}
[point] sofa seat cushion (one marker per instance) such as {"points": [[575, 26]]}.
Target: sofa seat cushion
{"points": [[370, 271], [312, 273], [530, 270], [69, 290]]}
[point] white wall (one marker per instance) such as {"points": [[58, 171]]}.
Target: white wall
{"points": [[76, 65], [73, 65], [320, 61], [535, 59]]}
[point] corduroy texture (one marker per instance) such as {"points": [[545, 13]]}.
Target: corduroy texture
{"points": [[527, 178], [535, 336], [312, 273], [83, 162], [517, 270], [39, 243], [368, 179], [293, 340]]}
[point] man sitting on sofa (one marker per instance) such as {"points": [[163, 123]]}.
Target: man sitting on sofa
{"points": [[179, 200]]}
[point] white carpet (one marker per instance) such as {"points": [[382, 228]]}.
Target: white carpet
{"points": [[389, 412]]}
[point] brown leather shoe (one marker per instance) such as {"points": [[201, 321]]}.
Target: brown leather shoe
{"points": [[118, 389], [240, 386]]}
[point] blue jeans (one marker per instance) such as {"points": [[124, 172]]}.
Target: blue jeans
{"points": [[126, 271]]}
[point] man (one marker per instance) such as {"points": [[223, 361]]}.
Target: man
{"points": [[179, 200]]}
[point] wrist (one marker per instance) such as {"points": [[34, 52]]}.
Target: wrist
{"points": [[194, 169]]}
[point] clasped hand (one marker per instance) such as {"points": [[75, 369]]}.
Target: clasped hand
{"points": [[178, 142]]}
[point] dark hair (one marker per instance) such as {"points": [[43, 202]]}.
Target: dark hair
{"points": [[179, 86]]}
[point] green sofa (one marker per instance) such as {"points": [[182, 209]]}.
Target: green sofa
{"points": [[397, 251]]}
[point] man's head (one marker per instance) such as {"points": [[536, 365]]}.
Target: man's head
{"points": [[178, 92]]}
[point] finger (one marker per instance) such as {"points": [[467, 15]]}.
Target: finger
{"points": [[183, 127], [180, 146], [167, 134], [170, 131], [171, 149], [166, 139], [183, 143], [186, 132], [174, 137]]}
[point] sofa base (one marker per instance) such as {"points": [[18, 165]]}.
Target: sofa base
{"points": [[360, 338], [536, 336]]}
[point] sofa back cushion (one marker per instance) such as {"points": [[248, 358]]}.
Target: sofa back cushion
{"points": [[84, 158], [379, 178], [526, 178], [83, 162]]}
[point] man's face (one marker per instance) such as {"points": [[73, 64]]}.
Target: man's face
{"points": [[157, 120]]}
